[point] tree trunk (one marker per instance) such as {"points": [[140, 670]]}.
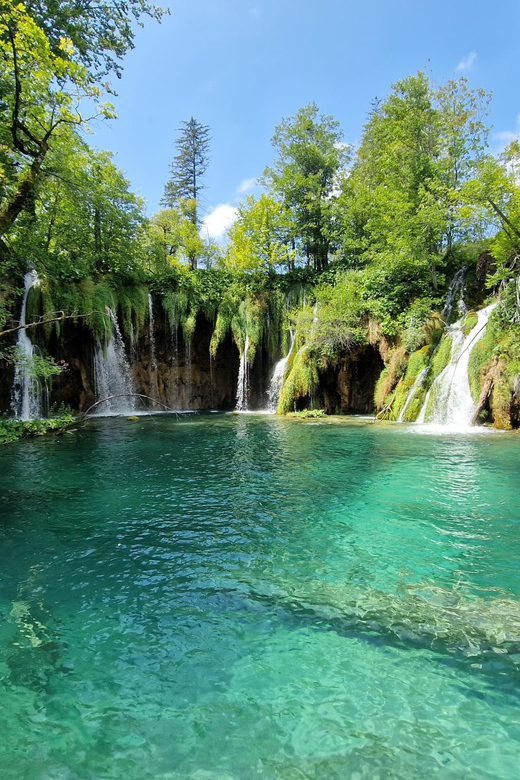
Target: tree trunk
{"points": [[21, 196]]}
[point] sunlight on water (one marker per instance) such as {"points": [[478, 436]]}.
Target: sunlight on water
{"points": [[241, 596]]}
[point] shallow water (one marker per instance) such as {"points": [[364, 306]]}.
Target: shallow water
{"points": [[241, 596]]}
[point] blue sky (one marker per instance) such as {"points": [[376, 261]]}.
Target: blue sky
{"points": [[240, 66]]}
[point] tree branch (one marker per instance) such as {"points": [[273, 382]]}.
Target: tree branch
{"points": [[503, 217], [59, 318]]}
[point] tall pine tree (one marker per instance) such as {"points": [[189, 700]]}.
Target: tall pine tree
{"points": [[187, 169]]}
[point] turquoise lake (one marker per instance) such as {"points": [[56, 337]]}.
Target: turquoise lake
{"points": [[230, 597]]}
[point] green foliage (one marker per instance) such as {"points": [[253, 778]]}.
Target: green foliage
{"points": [[338, 320], [37, 366], [243, 315], [87, 298], [172, 239], [501, 342], [301, 381], [48, 63], [14, 430], [308, 414], [384, 396], [259, 239], [416, 323], [303, 178], [100, 34], [91, 301], [86, 221]]}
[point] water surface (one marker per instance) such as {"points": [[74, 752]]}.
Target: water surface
{"points": [[241, 596]]}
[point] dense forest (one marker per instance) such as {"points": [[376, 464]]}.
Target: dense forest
{"points": [[348, 252]]}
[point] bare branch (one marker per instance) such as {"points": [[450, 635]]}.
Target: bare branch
{"points": [[42, 321], [127, 395]]}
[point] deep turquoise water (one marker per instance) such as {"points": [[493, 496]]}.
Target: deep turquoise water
{"points": [[237, 597]]}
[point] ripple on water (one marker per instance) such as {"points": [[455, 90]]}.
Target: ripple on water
{"points": [[232, 597]]}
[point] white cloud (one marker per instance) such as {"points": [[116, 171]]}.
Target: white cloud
{"points": [[246, 186], [505, 137], [467, 63], [218, 221]]}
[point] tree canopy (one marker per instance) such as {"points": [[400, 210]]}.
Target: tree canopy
{"points": [[53, 58], [304, 178]]}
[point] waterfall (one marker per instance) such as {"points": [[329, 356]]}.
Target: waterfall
{"points": [[449, 400], [276, 383], [212, 380], [243, 380], [188, 375], [457, 287], [26, 395], [153, 359], [112, 374]]}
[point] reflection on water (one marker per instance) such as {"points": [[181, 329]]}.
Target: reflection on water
{"points": [[241, 596]]}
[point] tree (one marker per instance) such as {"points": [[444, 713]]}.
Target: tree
{"points": [[258, 239], [173, 238], [188, 168], [402, 208], [101, 33], [84, 220], [494, 198], [304, 177], [53, 56]]}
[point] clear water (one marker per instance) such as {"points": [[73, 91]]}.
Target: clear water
{"points": [[237, 597]]}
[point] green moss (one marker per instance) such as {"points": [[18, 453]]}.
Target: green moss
{"points": [[301, 381], [469, 322], [480, 356], [417, 362], [440, 359], [381, 395], [415, 405], [132, 305]]}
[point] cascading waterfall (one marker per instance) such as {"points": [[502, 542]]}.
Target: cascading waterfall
{"points": [[27, 393], [276, 383], [112, 375], [456, 296], [243, 380], [153, 358], [449, 401]]}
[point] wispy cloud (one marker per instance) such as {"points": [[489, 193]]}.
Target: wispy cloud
{"points": [[218, 221], [468, 62], [504, 137], [246, 186]]}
